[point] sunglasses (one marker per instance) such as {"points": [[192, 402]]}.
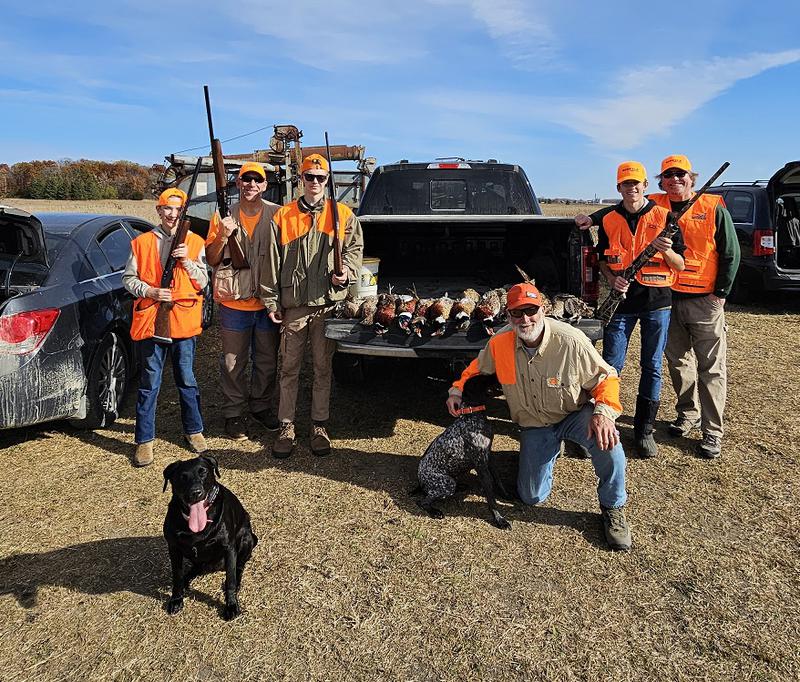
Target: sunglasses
{"points": [[674, 174], [251, 178], [530, 311], [313, 177]]}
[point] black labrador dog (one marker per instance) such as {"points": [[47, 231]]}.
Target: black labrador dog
{"points": [[208, 526], [466, 444]]}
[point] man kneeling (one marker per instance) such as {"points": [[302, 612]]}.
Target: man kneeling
{"points": [[557, 387]]}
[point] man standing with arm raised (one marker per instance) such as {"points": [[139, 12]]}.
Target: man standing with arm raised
{"points": [[299, 289], [698, 315]]}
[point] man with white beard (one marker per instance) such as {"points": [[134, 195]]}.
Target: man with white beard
{"points": [[557, 387]]}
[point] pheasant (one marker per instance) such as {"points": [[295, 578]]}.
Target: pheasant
{"points": [[367, 310], [488, 309], [463, 307], [406, 305], [385, 312], [418, 321], [438, 314]]}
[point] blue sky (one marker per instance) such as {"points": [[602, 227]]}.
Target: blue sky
{"points": [[566, 89]]}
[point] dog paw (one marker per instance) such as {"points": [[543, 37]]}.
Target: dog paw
{"points": [[501, 523], [173, 606], [231, 611]]}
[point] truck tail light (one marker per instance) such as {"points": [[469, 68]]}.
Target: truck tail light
{"points": [[763, 243], [590, 285], [24, 332], [449, 165]]}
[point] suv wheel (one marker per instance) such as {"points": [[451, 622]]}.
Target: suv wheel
{"points": [[106, 383]]}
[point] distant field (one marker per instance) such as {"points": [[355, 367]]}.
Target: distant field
{"points": [[143, 209], [146, 209]]}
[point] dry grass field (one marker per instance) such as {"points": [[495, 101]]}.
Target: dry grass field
{"points": [[350, 581]]}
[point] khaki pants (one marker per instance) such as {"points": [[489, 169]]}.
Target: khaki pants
{"points": [[698, 325], [238, 348], [302, 324]]}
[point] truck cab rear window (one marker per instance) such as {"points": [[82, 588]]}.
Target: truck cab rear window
{"points": [[421, 191]]}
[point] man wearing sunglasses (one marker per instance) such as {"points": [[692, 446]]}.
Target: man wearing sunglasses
{"points": [[557, 388], [299, 289], [625, 230], [698, 315], [246, 331]]}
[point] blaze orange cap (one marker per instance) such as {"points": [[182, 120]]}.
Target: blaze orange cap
{"points": [[172, 193], [676, 161], [314, 162], [253, 167], [523, 295], [631, 170]]}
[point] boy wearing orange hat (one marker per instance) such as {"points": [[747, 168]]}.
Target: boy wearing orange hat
{"points": [[246, 331], [557, 387], [142, 278], [299, 289], [697, 343], [626, 229]]}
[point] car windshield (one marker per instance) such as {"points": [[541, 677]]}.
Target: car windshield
{"points": [[428, 191]]}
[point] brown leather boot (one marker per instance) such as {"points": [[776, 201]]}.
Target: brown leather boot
{"points": [[144, 454], [197, 442], [320, 440], [286, 440]]}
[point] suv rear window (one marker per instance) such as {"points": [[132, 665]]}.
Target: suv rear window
{"points": [[740, 206], [422, 191]]}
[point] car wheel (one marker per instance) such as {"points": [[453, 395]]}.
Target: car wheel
{"points": [[106, 383]]}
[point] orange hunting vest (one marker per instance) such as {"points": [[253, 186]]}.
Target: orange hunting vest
{"points": [[502, 346], [186, 315], [293, 223], [701, 257], [623, 246]]}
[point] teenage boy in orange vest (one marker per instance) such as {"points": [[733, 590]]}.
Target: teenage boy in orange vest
{"points": [[625, 230], [142, 278], [299, 289], [246, 332], [698, 301], [575, 397]]}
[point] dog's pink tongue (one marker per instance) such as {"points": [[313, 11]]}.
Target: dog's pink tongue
{"points": [[197, 517]]}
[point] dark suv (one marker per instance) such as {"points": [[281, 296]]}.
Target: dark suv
{"points": [[766, 214]]}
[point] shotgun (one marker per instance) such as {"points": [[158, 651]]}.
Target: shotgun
{"points": [[237, 258], [605, 311], [163, 332], [338, 267]]}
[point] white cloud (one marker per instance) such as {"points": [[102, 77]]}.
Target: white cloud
{"points": [[520, 29], [653, 100]]}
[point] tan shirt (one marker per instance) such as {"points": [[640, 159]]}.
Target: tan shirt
{"points": [[561, 376]]}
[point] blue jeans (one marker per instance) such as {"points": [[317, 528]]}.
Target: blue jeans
{"points": [[539, 448], [246, 320], [654, 329], [153, 355]]}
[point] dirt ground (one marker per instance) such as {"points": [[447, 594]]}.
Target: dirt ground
{"points": [[350, 581]]}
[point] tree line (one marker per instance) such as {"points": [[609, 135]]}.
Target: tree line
{"points": [[83, 179]]}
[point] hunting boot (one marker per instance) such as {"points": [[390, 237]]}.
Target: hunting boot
{"points": [[710, 447], [644, 422], [682, 426], [320, 440], [144, 454], [286, 441], [616, 528], [235, 428], [196, 442]]}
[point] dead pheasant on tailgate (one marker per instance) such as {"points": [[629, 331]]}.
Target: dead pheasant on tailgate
{"points": [[367, 311], [420, 315], [439, 313], [488, 310], [463, 307], [385, 313], [406, 306], [347, 309]]}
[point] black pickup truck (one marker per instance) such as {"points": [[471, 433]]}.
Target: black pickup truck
{"points": [[444, 226]]}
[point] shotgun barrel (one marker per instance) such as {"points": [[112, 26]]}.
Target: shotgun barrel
{"points": [[338, 267]]}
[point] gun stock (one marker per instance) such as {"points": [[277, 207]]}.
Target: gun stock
{"points": [[605, 311], [338, 266], [238, 261]]}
